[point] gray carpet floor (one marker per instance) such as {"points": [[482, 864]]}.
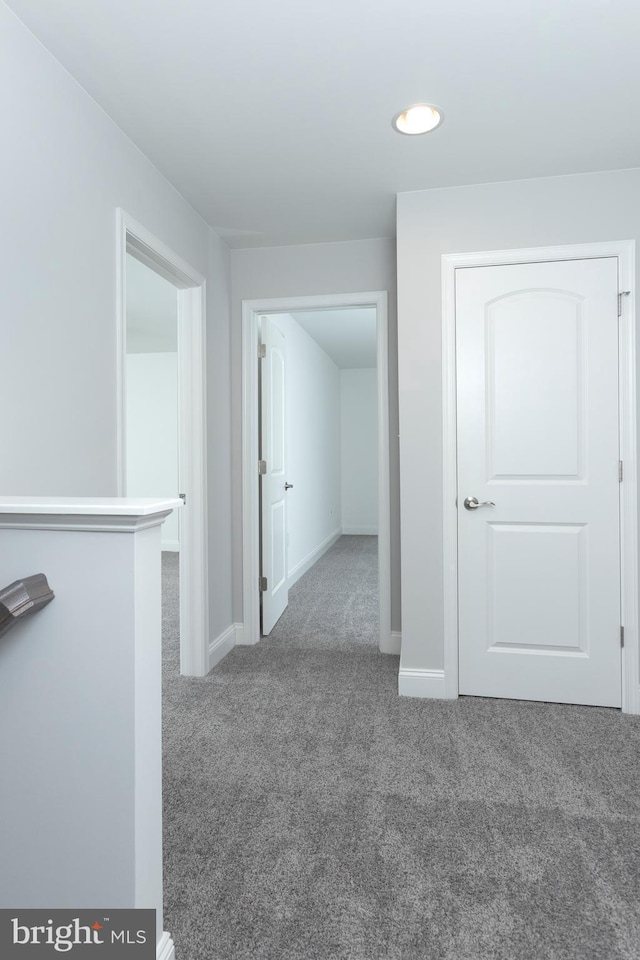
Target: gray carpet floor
{"points": [[312, 814], [336, 603]]}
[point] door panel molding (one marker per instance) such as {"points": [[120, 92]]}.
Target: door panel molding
{"points": [[251, 310], [624, 251]]}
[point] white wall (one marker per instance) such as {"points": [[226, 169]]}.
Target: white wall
{"points": [[557, 210], [359, 450], [312, 445], [305, 270], [65, 170], [152, 432]]}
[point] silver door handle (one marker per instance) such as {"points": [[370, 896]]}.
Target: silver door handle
{"points": [[472, 503], [288, 486]]}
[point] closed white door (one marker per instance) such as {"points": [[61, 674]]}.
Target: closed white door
{"points": [[275, 594], [537, 407]]}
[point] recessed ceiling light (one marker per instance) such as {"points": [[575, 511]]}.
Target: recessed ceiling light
{"points": [[419, 118]]}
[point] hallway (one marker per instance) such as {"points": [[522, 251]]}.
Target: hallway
{"points": [[312, 814], [335, 604]]}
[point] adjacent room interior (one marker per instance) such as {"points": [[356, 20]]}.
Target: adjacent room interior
{"points": [[151, 419], [151, 391]]}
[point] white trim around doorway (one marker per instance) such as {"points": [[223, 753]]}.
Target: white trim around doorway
{"points": [[625, 252], [251, 311], [133, 238]]}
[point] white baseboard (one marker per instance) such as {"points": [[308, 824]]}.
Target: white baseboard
{"points": [[392, 644], [632, 706], [351, 529], [301, 568], [165, 948], [171, 546], [221, 646], [242, 640], [421, 683]]}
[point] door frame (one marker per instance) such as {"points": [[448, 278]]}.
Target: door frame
{"points": [[133, 238], [251, 311], [625, 252]]}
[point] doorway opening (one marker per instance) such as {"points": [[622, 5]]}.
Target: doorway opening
{"points": [[333, 352], [161, 413], [151, 391]]}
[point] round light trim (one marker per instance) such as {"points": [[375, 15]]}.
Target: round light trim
{"points": [[417, 119]]}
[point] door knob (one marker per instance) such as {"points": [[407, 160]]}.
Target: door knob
{"points": [[472, 503], [288, 486]]}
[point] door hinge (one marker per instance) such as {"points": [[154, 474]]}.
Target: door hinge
{"points": [[262, 584], [620, 471], [262, 467], [262, 350], [183, 497], [623, 293], [622, 636]]}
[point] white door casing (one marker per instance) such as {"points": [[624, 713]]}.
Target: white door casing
{"points": [[275, 595], [537, 418], [133, 238]]}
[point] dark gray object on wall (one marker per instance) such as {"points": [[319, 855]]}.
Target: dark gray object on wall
{"points": [[22, 598]]}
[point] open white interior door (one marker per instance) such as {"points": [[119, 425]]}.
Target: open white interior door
{"points": [[275, 593]]}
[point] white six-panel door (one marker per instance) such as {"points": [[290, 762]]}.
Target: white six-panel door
{"points": [[275, 596], [537, 408]]}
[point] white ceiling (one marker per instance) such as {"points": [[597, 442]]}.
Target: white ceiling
{"points": [[273, 119], [348, 336], [152, 311]]}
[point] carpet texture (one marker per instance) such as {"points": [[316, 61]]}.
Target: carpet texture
{"points": [[312, 814], [336, 602]]}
